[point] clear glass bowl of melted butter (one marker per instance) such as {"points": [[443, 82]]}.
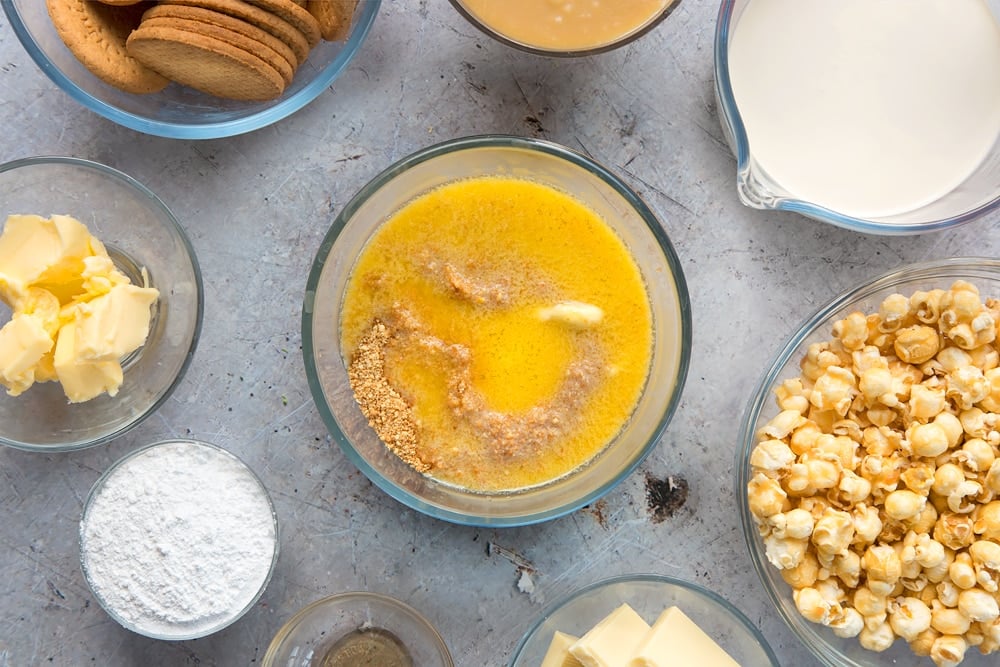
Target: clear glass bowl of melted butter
{"points": [[565, 29], [527, 368], [148, 245], [895, 131], [357, 628], [649, 595]]}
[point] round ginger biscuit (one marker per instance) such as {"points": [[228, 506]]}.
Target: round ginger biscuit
{"points": [[262, 51], [333, 16], [294, 14], [205, 63], [95, 33], [264, 20], [224, 21]]}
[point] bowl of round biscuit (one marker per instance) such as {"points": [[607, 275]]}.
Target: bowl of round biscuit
{"points": [[867, 471], [192, 69]]}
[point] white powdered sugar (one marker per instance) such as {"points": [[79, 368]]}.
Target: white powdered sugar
{"points": [[178, 540]]}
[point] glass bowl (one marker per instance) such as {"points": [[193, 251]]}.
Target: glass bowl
{"points": [[977, 196], [307, 636], [647, 594], [545, 163], [827, 647], [498, 33], [140, 234], [214, 498], [178, 112]]}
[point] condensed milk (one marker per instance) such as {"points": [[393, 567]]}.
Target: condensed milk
{"points": [[566, 25]]}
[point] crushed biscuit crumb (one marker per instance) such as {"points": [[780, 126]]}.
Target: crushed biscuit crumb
{"points": [[387, 412]]}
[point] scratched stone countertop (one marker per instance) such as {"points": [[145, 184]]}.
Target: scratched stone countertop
{"points": [[256, 207]]}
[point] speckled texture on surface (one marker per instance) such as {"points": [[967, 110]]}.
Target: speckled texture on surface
{"points": [[256, 207]]}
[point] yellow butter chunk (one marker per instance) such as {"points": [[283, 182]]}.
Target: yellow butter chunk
{"points": [[23, 343], [612, 641], [39, 251], [42, 305], [677, 640], [558, 654], [574, 314], [83, 380], [113, 324], [74, 314]]}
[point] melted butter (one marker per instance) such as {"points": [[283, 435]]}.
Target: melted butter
{"points": [[553, 249]]}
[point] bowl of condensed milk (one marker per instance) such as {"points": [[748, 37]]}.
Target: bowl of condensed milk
{"points": [[880, 117], [565, 27]]}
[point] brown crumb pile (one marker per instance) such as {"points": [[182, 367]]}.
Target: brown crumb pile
{"points": [[387, 411]]}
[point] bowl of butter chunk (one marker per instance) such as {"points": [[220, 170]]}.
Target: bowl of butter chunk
{"points": [[643, 619], [100, 303]]}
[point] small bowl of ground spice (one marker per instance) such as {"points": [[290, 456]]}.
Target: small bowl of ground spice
{"points": [[178, 540], [356, 629], [496, 330]]}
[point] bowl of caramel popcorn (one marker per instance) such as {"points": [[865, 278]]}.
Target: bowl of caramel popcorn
{"points": [[868, 472]]}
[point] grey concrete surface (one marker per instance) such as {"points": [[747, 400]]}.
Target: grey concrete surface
{"points": [[256, 207]]}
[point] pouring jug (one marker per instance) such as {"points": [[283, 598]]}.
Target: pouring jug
{"points": [[976, 195]]}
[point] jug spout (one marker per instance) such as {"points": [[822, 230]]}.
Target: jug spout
{"points": [[755, 188]]}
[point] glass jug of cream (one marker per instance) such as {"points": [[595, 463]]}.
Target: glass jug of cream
{"points": [[881, 116]]}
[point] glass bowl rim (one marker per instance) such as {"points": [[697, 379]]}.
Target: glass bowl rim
{"points": [[761, 396], [708, 594], [98, 486], [336, 600], [168, 217], [624, 40], [495, 141], [730, 115], [215, 130]]}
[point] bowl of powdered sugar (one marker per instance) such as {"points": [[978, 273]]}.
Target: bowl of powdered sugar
{"points": [[178, 540]]}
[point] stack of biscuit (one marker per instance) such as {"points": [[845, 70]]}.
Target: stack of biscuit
{"points": [[236, 49]]}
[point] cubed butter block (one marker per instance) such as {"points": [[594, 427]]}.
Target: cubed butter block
{"points": [[612, 642], [558, 654], [573, 314], [23, 342], [35, 250], [677, 640], [114, 324], [83, 380]]}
